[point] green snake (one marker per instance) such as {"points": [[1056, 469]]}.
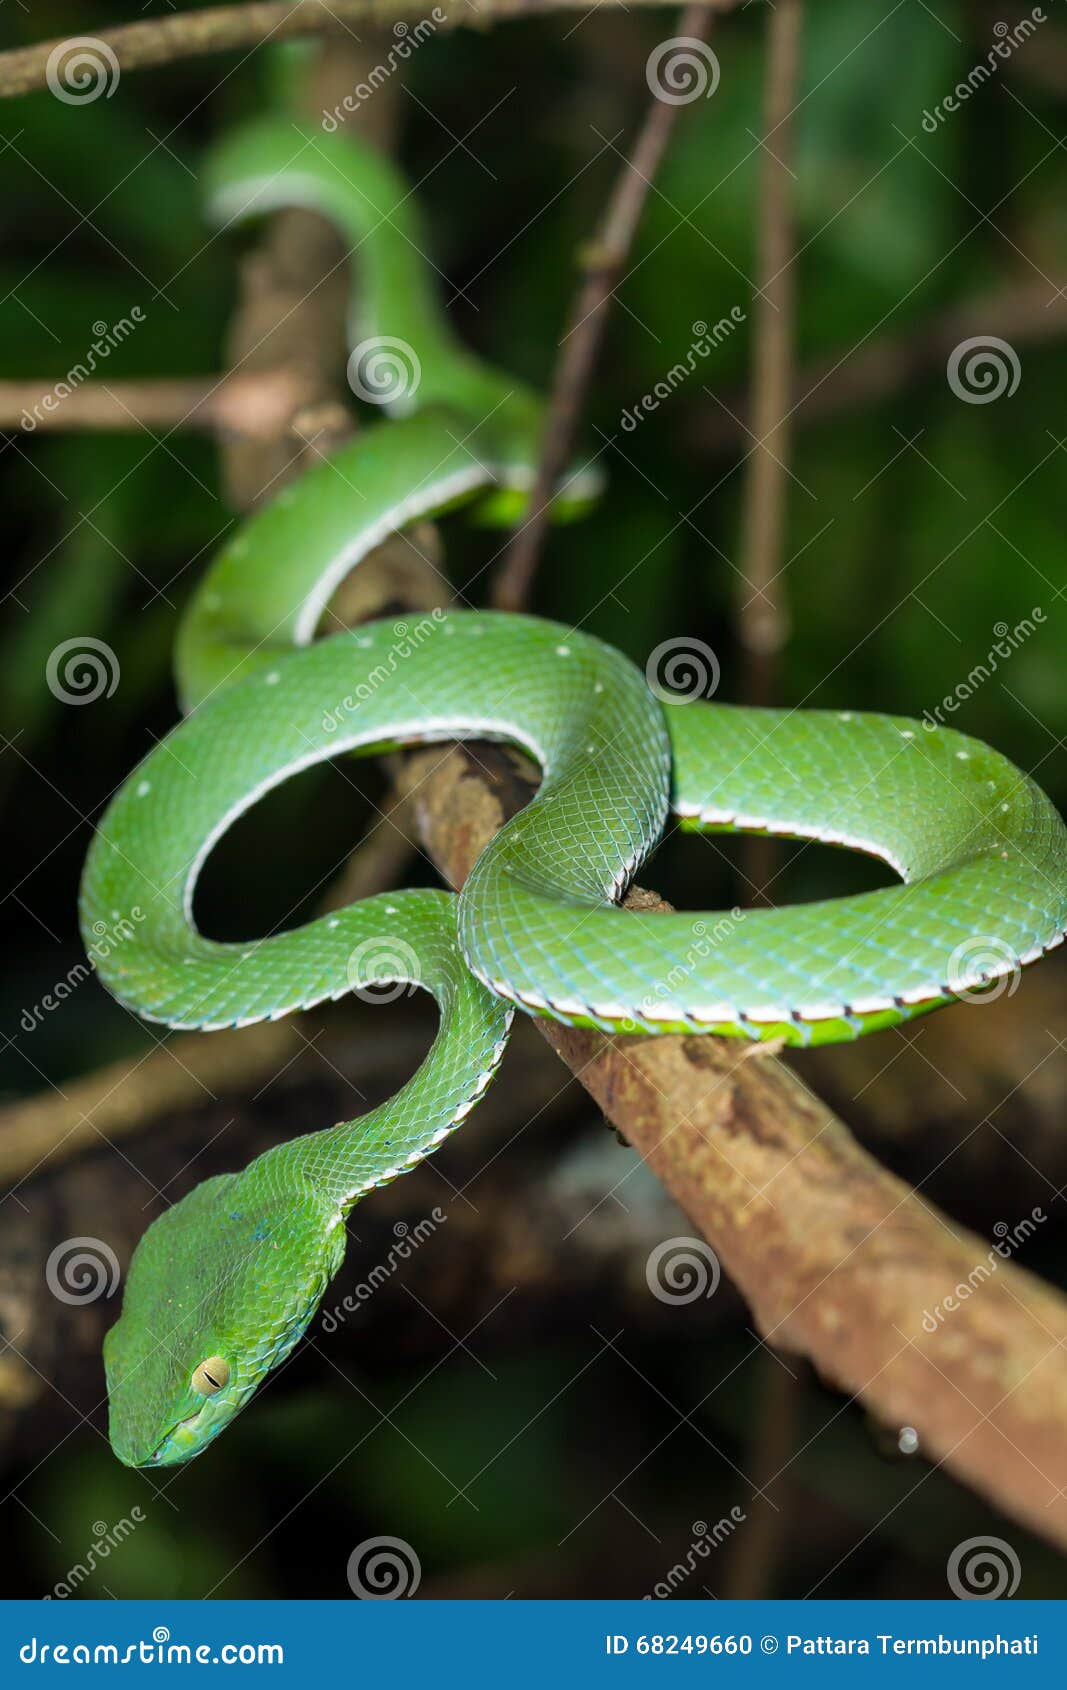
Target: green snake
{"points": [[225, 1282]]}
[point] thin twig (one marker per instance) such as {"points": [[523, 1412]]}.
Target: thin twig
{"points": [[762, 617], [762, 620], [602, 263], [222, 29], [257, 406]]}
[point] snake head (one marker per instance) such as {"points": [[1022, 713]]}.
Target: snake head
{"points": [[219, 1290]]}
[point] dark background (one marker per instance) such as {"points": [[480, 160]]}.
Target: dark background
{"points": [[917, 523]]}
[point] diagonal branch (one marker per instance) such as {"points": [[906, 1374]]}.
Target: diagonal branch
{"points": [[602, 264], [838, 1259], [225, 29]]}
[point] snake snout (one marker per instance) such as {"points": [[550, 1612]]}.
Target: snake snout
{"points": [[220, 1289]]}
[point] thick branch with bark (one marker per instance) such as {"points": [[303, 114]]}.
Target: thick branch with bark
{"points": [[839, 1260]]}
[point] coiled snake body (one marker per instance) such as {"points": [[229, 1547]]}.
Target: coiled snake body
{"points": [[224, 1283]]}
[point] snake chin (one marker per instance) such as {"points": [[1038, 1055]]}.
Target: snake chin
{"points": [[248, 1304]]}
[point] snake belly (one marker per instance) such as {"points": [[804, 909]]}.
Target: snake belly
{"points": [[225, 1282]]}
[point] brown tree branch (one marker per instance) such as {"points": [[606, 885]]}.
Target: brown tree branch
{"points": [[259, 406], [839, 1260], [762, 617], [224, 29], [602, 263]]}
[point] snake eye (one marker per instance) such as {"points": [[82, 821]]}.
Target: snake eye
{"points": [[211, 1376]]}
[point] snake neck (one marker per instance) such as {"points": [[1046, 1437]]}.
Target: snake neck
{"points": [[395, 312], [343, 1163]]}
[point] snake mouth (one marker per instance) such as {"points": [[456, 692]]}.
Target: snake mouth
{"points": [[183, 1442]]}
